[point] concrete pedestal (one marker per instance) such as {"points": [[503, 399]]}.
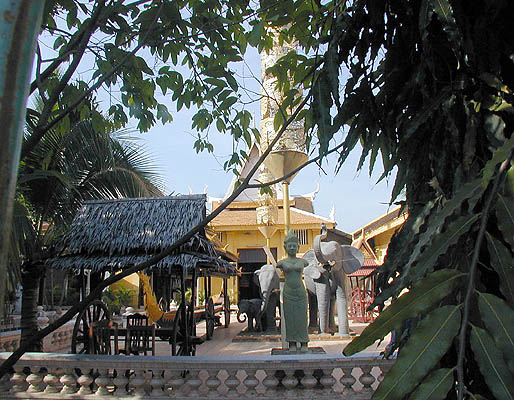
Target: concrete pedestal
{"points": [[311, 350]]}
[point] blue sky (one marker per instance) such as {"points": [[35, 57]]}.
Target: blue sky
{"points": [[356, 197]]}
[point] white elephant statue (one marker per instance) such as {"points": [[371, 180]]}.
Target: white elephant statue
{"points": [[269, 284], [325, 281]]}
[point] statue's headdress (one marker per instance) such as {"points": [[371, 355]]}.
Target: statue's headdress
{"points": [[290, 237]]}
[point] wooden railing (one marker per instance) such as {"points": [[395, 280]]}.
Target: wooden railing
{"points": [[70, 376]]}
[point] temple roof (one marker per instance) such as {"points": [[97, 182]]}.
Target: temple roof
{"points": [[372, 226], [248, 217]]}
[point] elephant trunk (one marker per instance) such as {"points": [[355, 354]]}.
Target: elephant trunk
{"points": [[317, 245], [241, 317], [265, 300]]}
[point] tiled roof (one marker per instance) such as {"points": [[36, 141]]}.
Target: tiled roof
{"points": [[370, 262], [367, 268], [362, 272], [246, 217]]}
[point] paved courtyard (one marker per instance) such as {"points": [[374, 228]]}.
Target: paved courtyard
{"points": [[222, 343]]}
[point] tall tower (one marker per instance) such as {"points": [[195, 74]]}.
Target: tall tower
{"points": [[289, 152]]}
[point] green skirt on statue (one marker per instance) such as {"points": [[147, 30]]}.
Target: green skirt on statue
{"points": [[295, 314]]}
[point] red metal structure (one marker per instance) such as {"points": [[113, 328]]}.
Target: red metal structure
{"points": [[362, 284]]}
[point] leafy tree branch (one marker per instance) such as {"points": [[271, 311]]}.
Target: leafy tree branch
{"points": [[504, 167]]}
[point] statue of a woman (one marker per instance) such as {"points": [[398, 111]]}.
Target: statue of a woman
{"points": [[295, 296]]}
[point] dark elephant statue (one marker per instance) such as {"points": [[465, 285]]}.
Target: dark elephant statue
{"points": [[269, 284], [252, 310], [325, 281]]}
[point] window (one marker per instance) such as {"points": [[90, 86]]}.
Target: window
{"points": [[220, 236], [302, 235]]}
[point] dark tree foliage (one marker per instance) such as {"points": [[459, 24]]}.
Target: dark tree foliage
{"points": [[146, 55], [429, 85]]}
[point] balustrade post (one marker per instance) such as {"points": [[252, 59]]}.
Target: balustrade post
{"points": [[35, 380], [157, 383], [251, 382], [19, 384], [213, 383], [51, 379], [194, 383], [271, 383], [232, 382], [102, 381], [367, 380], [327, 380], [290, 382], [137, 382], [69, 382], [121, 383], [309, 382], [347, 380], [176, 383], [85, 380], [5, 383]]}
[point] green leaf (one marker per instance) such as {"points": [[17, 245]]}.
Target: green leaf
{"points": [[421, 299], [163, 113], [227, 103], [435, 387], [498, 318], [60, 41], [491, 364], [216, 82], [423, 17], [476, 397], [499, 156], [442, 242], [255, 35], [71, 17], [471, 190], [428, 110], [429, 342], [501, 261], [163, 83], [278, 121], [220, 125], [505, 216]]}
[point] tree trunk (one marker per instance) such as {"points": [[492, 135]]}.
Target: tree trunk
{"points": [[19, 24], [30, 278]]}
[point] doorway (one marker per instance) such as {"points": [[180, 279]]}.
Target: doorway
{"points": [[250, 260]]}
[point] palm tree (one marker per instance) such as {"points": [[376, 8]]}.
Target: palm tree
{"points": [[65, 169]]}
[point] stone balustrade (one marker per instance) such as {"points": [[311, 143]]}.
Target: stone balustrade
{"points": [[72, 376]]}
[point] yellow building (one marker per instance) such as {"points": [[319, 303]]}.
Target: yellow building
{"points": [[375, 236], [373, 240], [239, 232], [237, 229]]}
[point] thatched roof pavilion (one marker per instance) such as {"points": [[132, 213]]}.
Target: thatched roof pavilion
{"points": [[110, 235]]}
